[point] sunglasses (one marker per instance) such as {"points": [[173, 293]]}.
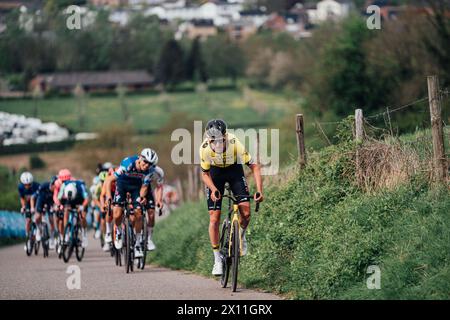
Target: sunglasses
{"points": [[217, 141], [145, 161]]}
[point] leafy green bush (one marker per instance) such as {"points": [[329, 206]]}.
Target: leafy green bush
{"points": [[36, 162]]}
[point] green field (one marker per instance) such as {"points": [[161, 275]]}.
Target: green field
{"points": [[152, 111]]}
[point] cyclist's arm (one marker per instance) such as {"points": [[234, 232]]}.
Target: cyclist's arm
{"points": [[159, 186], [256, 169], [207, 180], [108, 182], [85, 196], [32, 201], [103, 195]]}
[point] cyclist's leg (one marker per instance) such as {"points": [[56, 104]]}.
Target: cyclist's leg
{"points": [[38, 217], [119, 200], [136, 218], [214, 219], [239, 186], [150, 220]]}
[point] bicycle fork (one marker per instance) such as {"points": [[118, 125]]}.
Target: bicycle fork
{"points": [[235, 218]]}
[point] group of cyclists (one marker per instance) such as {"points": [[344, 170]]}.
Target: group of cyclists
{"points": [[64, 192], [222, 157]]}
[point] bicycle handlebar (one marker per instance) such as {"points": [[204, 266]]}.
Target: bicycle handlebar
{"points": [[234, 198]]}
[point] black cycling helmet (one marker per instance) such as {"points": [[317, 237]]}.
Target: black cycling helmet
{"points": [[215, 128]]}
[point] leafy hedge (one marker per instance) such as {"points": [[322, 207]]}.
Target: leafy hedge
{"points": [[316, 235]]}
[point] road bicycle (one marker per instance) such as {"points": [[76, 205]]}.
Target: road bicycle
{"points": [[129, 240], [31, 243], [230, 239], [72, 232]]}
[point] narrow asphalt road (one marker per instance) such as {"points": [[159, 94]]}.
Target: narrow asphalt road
{"points": [[34, 277]]}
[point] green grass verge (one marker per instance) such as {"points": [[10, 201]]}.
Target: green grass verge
{"points": [[316, 235], [153, 111]]}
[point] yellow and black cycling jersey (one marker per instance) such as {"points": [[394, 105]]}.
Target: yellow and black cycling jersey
{"points": [[235, 153]]}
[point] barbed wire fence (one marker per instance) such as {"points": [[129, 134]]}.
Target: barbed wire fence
{"points": [[424, 137]]}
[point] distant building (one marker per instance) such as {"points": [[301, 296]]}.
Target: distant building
{"points": [[327, 10], [201, 28], [220, 11], [92, 81], [109, 3], [241, 30]]}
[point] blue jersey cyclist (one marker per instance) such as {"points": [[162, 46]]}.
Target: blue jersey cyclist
{"points": [[134, 176], [42, 202], [27, 188], [73, 194]]}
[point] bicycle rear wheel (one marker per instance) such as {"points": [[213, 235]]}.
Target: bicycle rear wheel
{"points": [[224, 242], [235, 248]]}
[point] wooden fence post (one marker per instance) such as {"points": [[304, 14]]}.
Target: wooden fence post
{"points": [[439, 158], [359, 131], [359, 137], [300, 140]]}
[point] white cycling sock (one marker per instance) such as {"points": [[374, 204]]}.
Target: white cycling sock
{"points": [[138, 239], [242, 231], [150, 232], [217, 256], [108, 227]]}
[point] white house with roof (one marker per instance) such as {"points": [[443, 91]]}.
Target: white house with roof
{"points": [[221, 13], [327, 10]]}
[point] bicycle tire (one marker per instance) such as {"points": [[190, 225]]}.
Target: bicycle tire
{"points": [[132, 243], [224, 253], [235, 256], [67, 248], [126, 240], [30, 242], [144, 241], [45, 239], [37, 245], [79, 250]]}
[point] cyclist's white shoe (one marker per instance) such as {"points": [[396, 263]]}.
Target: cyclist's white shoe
{"points": [[150, 245], [51, 244], [244, 246], [108, 238], [217, 269], [106, 247], [118, 243], [38, 235], [67, 237], [97, 234], [25, 247], [84, 241], [138, 252]]}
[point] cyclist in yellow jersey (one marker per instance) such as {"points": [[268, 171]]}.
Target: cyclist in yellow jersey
{"points": [[222, 156]]}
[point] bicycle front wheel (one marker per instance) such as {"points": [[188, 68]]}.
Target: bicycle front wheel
{"points": [[45, 240], [224, 243], [79, 250], [128, 246], [235, 252], [67, 248]]}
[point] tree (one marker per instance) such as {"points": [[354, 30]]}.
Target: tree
{"points": [[170, 66], [195, 64], [225, 58]]}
